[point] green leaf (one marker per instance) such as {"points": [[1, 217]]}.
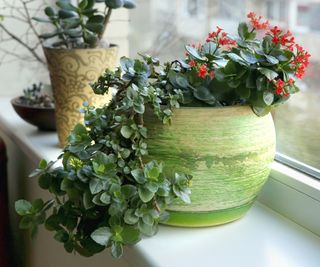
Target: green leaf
{"points": [[61, 236], [272, 60], [71, 23], [209, 48], [194, 53], [96, 186], [44, 181], [261, 83], [65, 14], [267, 44], [105, 198], [130, 217], [128, 190], [49, 11], [87, 200], [152, 173], [251, 80], [202, 93], [83, 4], [234, 57], [102, 235], [248, 56], [243, 30], [261, 111], [268, 98], [129, 4], [114, 3], [130, 235], [23, 207], [116, 249], [146, 229], [127, 64], [126, 131], [53, 223], [145, 194], [37, 205], [41, 20], [43, 164], [96, 19], [243, 91], [138, 175], [270, 74], [152, 186], [95, 27], [26, 222], [66, 5], [50, 35]]}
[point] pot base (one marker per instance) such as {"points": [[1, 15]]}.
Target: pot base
{"points": [[205, 219]]}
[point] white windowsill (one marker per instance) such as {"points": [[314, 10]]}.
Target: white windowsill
{"points": [[262, 238]]}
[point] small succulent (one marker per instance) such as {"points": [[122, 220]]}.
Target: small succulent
{"points": [[81, 25], [35, 96]]}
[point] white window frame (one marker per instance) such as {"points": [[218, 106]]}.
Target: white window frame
{"points": [[294, 195]]}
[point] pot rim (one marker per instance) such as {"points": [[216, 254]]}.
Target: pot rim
{"points": [[48, 47], [15, 102]]}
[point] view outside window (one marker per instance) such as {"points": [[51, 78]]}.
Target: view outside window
{"points": [[166, 26]]}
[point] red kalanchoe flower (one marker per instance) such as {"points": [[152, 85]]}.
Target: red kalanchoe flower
{"points": [[202, 71], [290, 81], [211, 74], [281, 88], [256, 22], [224, 40], [301, 61], [278, 37], [221, 38], [192, 63]]}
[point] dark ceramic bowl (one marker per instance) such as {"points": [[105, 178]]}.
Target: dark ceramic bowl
{"points": [[43, 118]]}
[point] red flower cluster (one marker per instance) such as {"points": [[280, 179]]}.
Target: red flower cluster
{"points": [[282, 87], [203, 71], [256, 22], [221, 38], [301, 61], [279, 37]]}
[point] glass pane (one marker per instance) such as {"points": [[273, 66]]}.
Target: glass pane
{"points": [[166, 26]]}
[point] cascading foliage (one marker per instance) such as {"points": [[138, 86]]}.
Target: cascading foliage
{"points": [[106, 194]]}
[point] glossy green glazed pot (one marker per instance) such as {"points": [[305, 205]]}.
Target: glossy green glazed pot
{"points": [[228, 151]]}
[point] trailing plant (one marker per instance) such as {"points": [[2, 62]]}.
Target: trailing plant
{"points": [[108, 192], [81, 25], [35, 96]]}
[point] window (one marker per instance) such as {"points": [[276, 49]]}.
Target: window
{"points": [[184, 22]]}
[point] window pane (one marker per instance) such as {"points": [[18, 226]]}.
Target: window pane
{"points": [[166, 26]]}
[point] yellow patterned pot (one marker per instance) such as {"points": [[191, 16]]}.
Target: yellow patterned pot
{"points": [[228, 151], [71, 71]]}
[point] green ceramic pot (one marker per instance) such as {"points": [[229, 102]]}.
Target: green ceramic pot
{"points": [[228, 151]]}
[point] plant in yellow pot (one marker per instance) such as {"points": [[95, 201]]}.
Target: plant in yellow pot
{"points": [[199, 125], [77, 55]]}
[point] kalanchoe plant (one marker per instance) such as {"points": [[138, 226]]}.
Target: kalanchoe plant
{"points": [[35, 96], [109, 191], [228, 70], [81, 25]]}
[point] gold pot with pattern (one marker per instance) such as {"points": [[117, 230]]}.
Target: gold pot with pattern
{"points": [[71, 72]]}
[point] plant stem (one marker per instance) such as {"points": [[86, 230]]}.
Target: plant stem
{"points": [[16, 38], [105, 23]]}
